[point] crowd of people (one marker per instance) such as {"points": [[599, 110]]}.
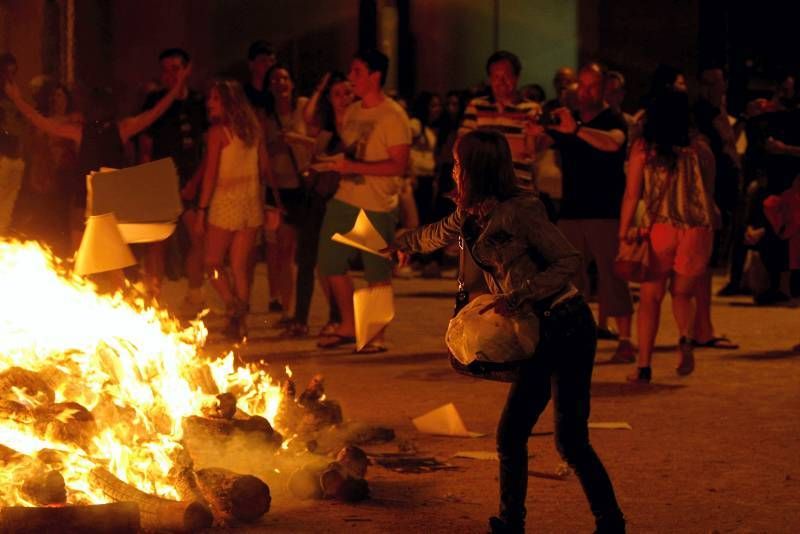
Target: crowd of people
{"points": [[266, 173]]}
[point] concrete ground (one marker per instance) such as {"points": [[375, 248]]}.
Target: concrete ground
{"points": [[712, 452]]}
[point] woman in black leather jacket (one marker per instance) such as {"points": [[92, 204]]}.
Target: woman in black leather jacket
{"points": [[530, 263]]}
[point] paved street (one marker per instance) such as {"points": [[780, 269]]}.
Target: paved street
{"points": [[712, 452]]}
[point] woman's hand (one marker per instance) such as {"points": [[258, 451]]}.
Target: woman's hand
{"points": [[398, 256], [323, 83], [500, 306], [12, 91], [775, 146], [632, 234]]}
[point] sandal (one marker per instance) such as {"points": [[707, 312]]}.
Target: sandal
{"points": [[334, 341], [720, 342], [329, 329], [295, 329], [643, 375], [372, 348], [686, 350]]}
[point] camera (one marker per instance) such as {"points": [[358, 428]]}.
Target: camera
{"points": [[548, 118]]}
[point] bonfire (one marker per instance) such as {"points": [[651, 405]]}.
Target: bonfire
{"points": [[102, 395]]}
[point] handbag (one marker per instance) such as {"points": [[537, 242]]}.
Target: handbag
{"points": [[633, 257], [477, 368]]}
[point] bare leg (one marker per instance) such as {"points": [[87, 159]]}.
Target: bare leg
{"points": [[280, 260], [651, 294], [702, 329], [241, 250], [342, 291], [624, 326], [217, 243], [682, 289]]}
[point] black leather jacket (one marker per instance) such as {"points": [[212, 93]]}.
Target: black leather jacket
{"points": [[523, 255]]}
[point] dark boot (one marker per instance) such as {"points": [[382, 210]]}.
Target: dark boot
{"points": [[499, 526]]}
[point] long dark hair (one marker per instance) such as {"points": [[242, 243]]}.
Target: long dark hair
{"points": [[486, 169], [667, 125], [271, 104]]}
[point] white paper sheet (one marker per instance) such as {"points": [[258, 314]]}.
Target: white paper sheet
{"points": [[444, 421], [374, 309], [612, 425], [363, 236]]}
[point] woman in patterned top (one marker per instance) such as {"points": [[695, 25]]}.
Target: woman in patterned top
{"points": [[672, 172]]}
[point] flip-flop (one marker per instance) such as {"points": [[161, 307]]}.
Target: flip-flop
{"points": [[719, 342], [371, 348], [338, 341]]}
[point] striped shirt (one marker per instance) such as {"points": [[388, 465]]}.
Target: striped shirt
{"points": [[484, 113]]}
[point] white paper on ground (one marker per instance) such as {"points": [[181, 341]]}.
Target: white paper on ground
{"points": [[444, 421], [363, 236], [476, 455], [613, 425], [481, 455], [374, 309]]}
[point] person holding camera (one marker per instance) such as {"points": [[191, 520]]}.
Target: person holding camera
{"points": [[528, 265], [592, 144]]}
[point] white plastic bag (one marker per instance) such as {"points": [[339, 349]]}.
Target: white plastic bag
{"points": [[491, 337]]}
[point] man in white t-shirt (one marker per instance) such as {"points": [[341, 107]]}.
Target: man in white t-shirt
{"points": [[376, 133]]}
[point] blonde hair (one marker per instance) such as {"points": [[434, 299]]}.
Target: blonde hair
{"points": [[236, 111]]}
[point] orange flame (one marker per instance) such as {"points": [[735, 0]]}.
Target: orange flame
{"points": [[132, 366]]}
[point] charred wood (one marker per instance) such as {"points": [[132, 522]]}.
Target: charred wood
{"points": [[156, 513], [233, 496], [114, 518]]}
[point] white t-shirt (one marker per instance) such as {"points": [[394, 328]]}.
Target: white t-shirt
{"points": [[369, 133]]}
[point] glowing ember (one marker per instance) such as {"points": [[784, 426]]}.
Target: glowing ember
{"points": [[97, 381]]}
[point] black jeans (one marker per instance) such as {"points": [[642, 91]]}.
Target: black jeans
{"points": [[561, 369]]}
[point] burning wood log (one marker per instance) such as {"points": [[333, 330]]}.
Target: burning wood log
{"points": [[33, 384], [40, 484], [184, 478], [224, 408], [66, 422], [8, 455], [156, 513], [116, 518], [304, 483], [233, 496], [45, 488], [198, 430], [354, 460], [330, 480], [15, 411]]}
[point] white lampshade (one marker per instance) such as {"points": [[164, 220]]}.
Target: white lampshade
{"points": [[102, 247]]}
